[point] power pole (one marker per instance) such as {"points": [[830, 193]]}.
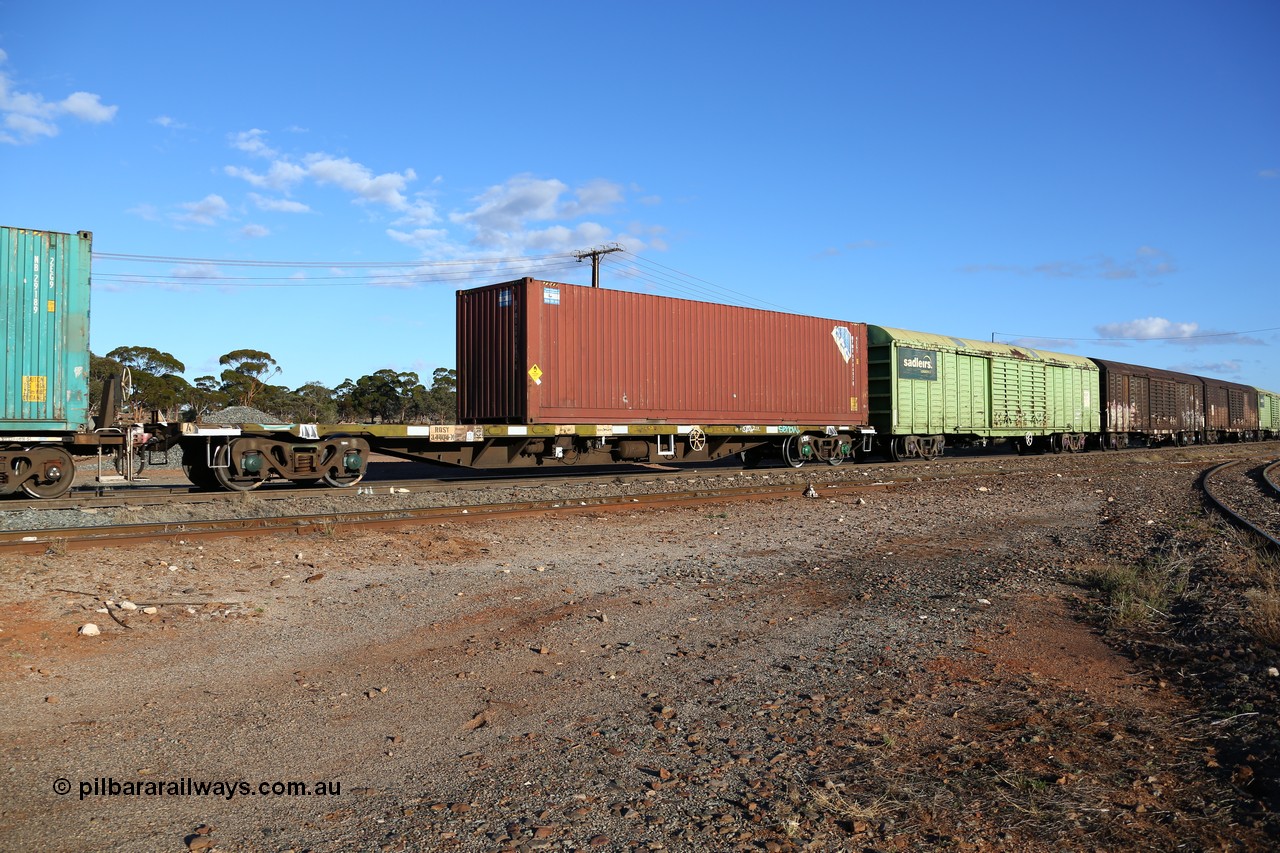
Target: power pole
{"points": [[595, 255]]}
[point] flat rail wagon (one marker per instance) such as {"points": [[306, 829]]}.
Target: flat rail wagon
{"points": [[565, 374]]}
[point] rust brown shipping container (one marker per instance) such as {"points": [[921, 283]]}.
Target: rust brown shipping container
{"points": [[533, 351], [1230, 407], [1150, 401]]}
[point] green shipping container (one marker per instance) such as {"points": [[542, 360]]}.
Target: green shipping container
{"points": [[44, 324], [925, 389]]}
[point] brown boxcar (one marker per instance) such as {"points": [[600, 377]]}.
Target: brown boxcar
{"points": [[1148, 403], [533, 352], [1231, 410]]}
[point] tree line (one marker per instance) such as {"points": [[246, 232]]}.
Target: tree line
{"points": [[383, 396]]}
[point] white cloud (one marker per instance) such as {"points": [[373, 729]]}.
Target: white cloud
{"points": [[278, 205], [281, 175], [509, 206], [423, 239], [1147, 263], [597, 196], [207, 211], [524, 213], [1160, 329], [88, 107], [503, 213], [355, 178], [28, 117], [28, 127], [284, 174], [145, 211], [418, 212], [1230, 367], [254, 231], [1147, 329], [252, 142]]}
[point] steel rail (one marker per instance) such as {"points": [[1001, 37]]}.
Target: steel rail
{"points": [[1271, 476], [1220, 503], [41, 541], [156, 493]]}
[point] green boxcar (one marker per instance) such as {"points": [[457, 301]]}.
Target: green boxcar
{"points": [[930, 390], [44, 328], [1269, 413]]}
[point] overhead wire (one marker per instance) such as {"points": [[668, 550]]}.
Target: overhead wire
{"points": [[243, 262], [410, 272], [657, 276], [696, 284]]}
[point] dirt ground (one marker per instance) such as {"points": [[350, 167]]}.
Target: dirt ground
{"points": [[938, 666]]}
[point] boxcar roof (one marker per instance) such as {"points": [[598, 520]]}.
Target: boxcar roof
{"points": [[924, 340], [1124, 369]]}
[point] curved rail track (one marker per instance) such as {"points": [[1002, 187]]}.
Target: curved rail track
{"points": [[1248, 495]]}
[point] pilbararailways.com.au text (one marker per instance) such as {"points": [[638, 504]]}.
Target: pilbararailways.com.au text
{"points": [[188, 787]]}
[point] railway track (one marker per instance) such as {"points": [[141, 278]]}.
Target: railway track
{"points": [[176, 510], [161, 493], [44, 540], [1248, 494]]}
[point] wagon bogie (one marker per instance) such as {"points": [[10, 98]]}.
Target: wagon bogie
{"points": [[238, 459]]}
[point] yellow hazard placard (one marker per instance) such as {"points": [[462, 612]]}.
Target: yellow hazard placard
{"points": [[53, 306], [535, 373], [34, 389]]}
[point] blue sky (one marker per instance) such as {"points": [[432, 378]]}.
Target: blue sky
{"points": [[320, 178]]}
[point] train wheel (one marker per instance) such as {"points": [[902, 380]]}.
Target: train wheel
{"points": [[790, 454], [227, 479], [50, 478], [898, 448], [199, 473], [339, 480], [346, 457], [932, 447], [838, 452]]}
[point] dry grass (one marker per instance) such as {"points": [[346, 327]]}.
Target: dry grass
{"points": [[832, 799], [1258, 572], [1263, 615], [1135, 594]]}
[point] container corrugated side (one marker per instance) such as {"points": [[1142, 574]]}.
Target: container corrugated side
{"points": [[926, 384], [1150, 400], [532, 351], [1230, 406], [44, 324]]}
